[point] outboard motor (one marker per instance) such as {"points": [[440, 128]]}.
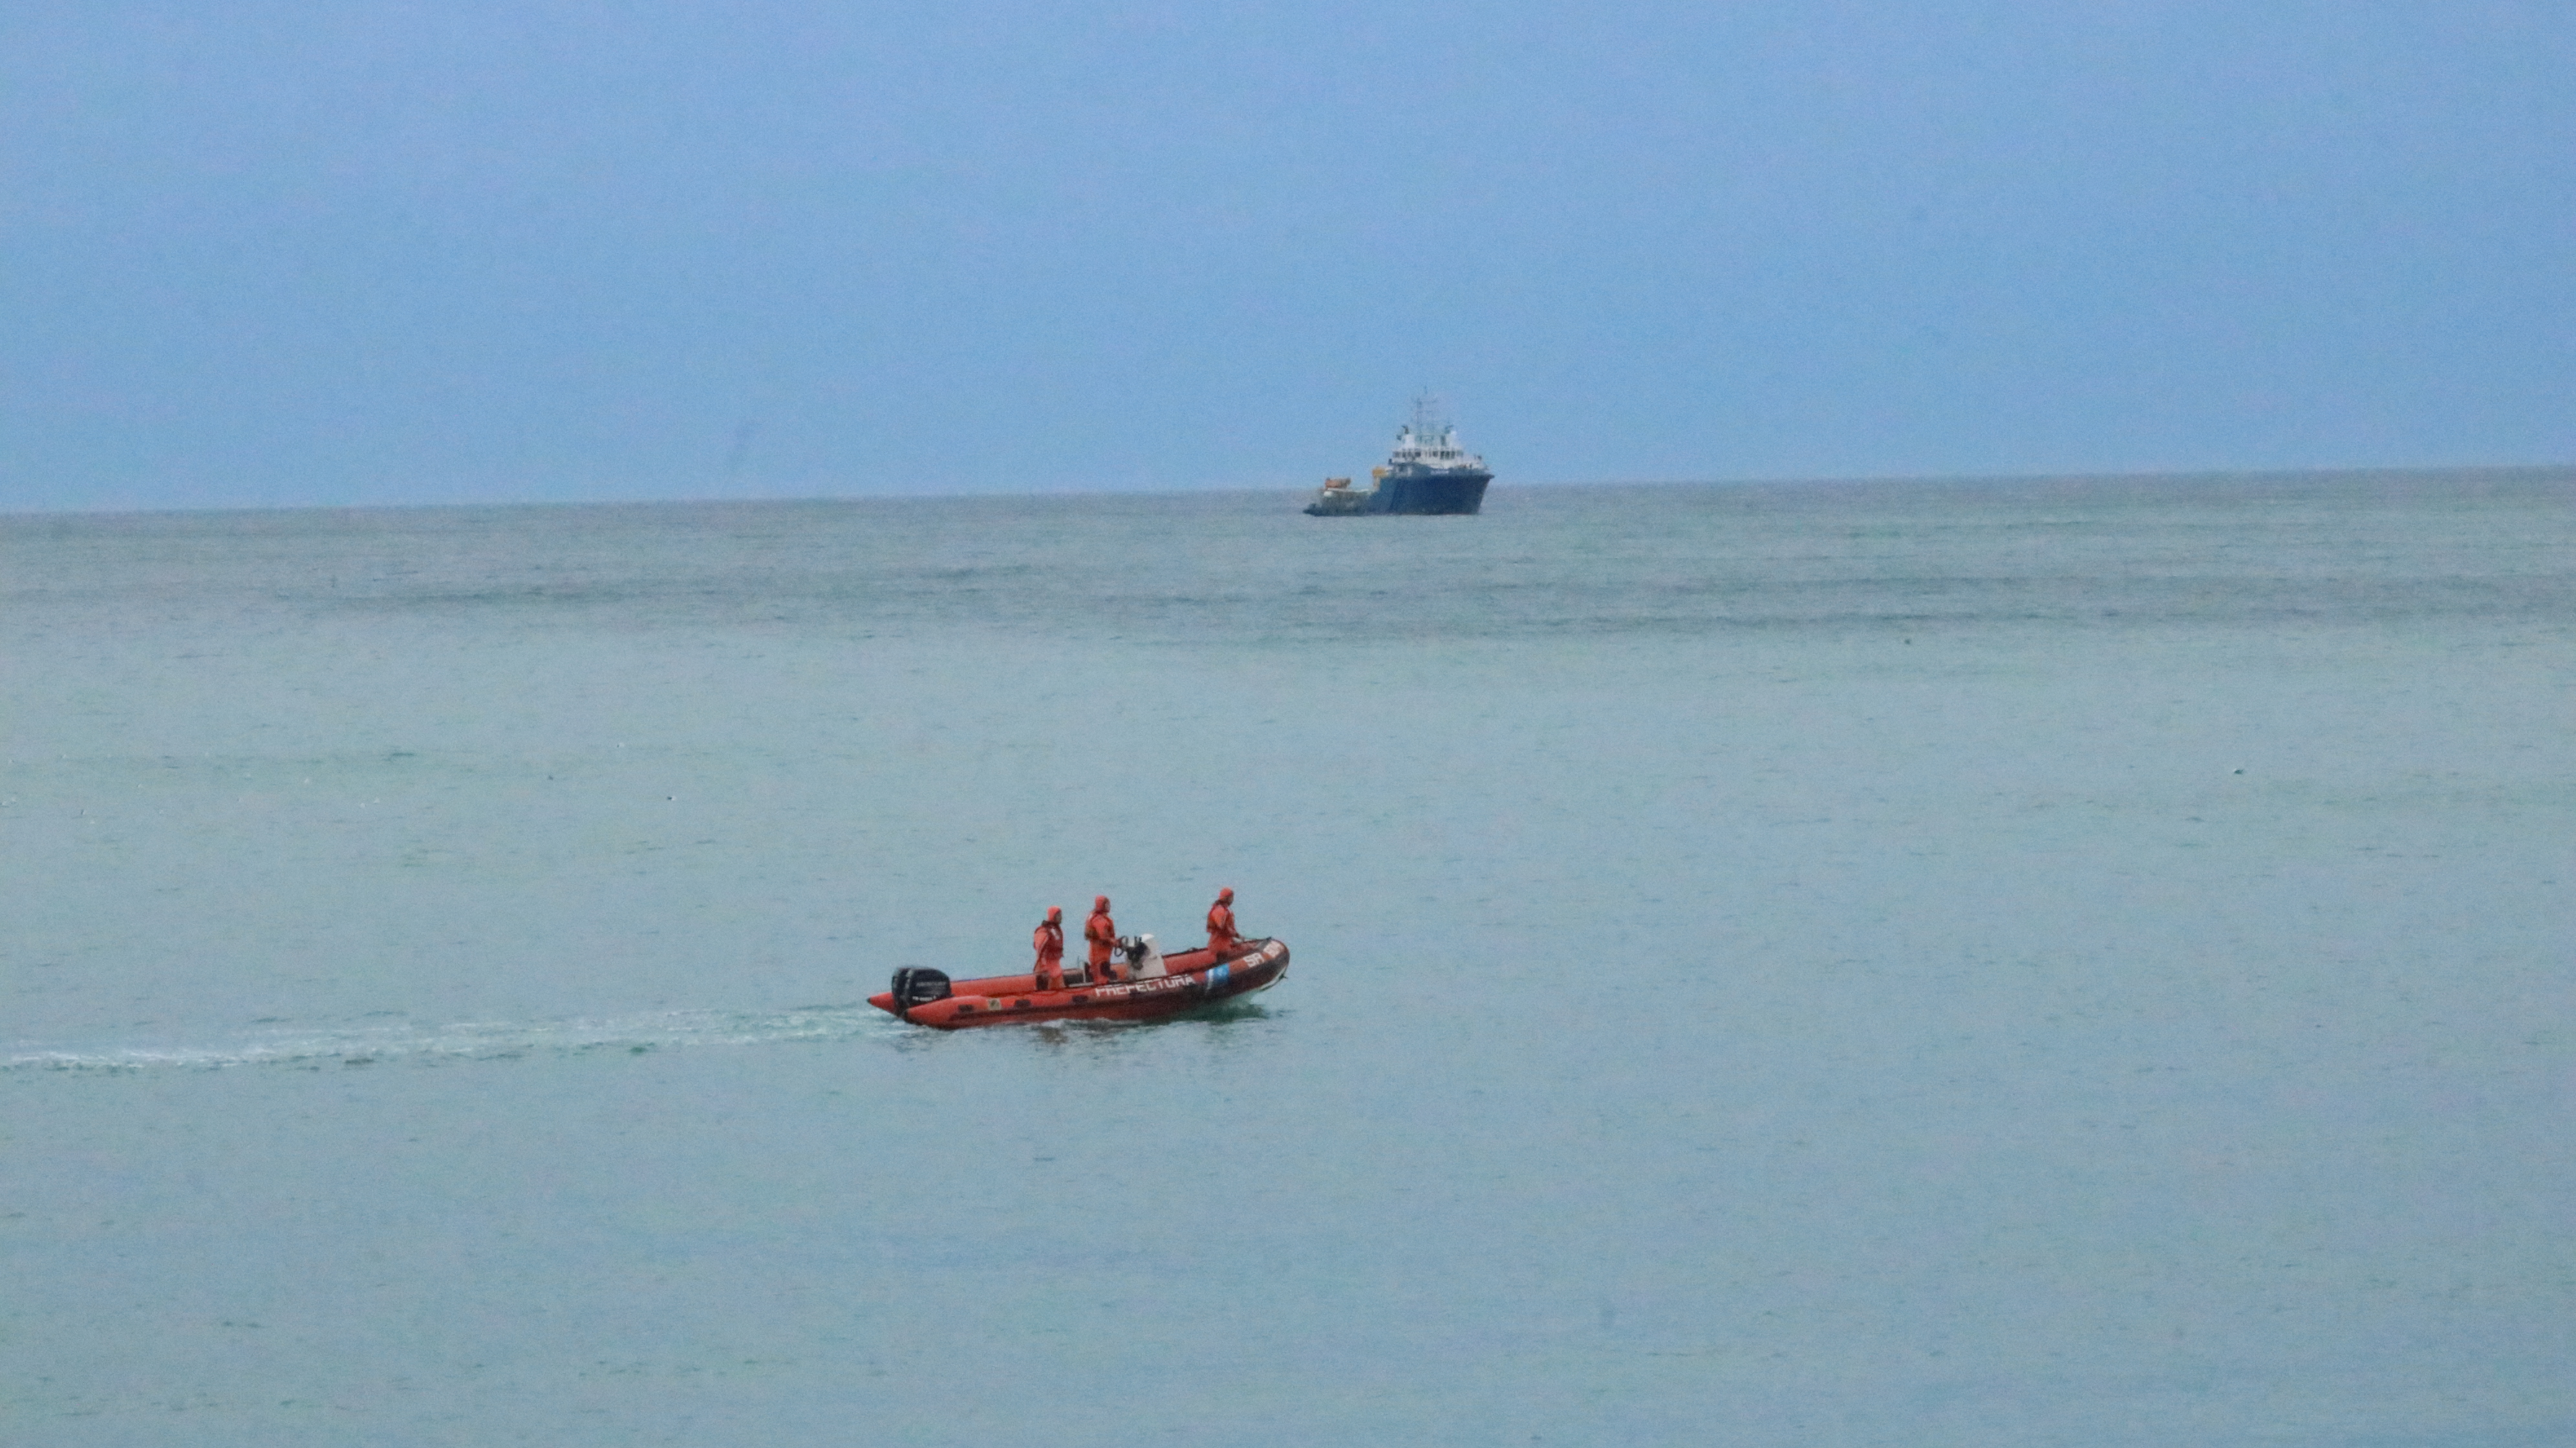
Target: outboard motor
{"points": [[918, 985], [1144, 962]]}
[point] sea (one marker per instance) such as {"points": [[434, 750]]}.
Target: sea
{"points": [[1995, 963]]}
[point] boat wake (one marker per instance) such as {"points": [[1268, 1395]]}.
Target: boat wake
{"points": [[399, 1043]]}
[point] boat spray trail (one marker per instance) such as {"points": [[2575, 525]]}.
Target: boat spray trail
{"points": [[449, 1043]]}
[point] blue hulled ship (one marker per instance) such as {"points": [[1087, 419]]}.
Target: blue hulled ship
{"points": [[1427, 473]]}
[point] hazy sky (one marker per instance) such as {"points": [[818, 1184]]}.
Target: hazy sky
{"points": [[453, 250]]}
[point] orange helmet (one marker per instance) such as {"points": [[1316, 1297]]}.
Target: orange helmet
{"points": [[1099, 902], [1055, 912], [1226, 894]]}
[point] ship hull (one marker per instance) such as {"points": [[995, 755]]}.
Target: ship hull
{"points": [[1442, 492], [1460, 491]]}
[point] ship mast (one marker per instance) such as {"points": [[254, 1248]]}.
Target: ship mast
{"points": [[1428, 424]]}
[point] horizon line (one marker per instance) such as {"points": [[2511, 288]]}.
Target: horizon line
{"points": [[2491, 471]]}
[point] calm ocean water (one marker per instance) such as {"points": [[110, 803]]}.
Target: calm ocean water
{"points": [[2074, 963]]}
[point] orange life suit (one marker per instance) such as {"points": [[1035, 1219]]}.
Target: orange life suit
{"points": [[1049, 939], [1102, 933], [1220, 923]]}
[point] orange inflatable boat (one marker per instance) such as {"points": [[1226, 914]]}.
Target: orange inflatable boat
{"points": [[1161, 986]]}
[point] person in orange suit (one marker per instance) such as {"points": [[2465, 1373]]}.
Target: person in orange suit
{"points": [[1049, 940], [1221, 936], [1102, 932]]}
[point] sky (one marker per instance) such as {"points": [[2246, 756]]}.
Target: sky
{"points": [[274, 254]]}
